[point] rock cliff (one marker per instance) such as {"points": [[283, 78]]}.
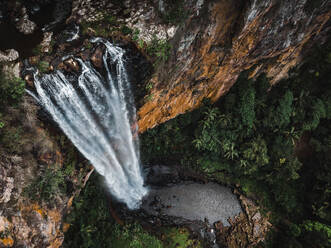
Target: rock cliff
{"points": [[220, 39]]}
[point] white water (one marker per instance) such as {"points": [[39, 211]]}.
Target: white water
{"points": [[98, 115]]}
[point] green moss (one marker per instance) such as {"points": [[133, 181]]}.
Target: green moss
{"points": [[135, 35]]}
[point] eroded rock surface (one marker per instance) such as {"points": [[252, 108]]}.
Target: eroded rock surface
{"points": [[247, 229], [25, 222], [27, 150], [9, 55], [25, 25], [224, 38]]}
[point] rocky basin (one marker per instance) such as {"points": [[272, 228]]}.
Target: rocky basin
{"points": [[192, 201]]}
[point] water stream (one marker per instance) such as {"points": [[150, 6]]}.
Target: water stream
{"points": [[98, 114]]}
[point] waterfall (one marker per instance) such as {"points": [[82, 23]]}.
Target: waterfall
{"points": [[98, 115]]}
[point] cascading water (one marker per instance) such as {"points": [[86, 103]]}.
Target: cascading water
{"points": [[98, 115]]}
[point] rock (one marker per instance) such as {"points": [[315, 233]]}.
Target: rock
{"points": [[72, 64], [12, 69], [62, 66], [24, 25], [145, 18], [23, 221], [9, 55], [247, 229], [46, 42], [96, 57], [29, 80], [8, 187], [221, 39]]}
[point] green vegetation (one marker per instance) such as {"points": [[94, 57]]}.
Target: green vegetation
{"points": [[43, 66], [178, 238], [11, 90], [126, 30], [274, 144], [47, 186], [92, 225], [56, 179], [175, 12], [133, 236], [160, 49], [149, 86], [37, 50], [106, 26], [11, 93]]}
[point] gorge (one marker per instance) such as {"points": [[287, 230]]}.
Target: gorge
{"points": [[233, 113]]}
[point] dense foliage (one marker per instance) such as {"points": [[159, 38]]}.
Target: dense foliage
{"points": [[274, 142]]}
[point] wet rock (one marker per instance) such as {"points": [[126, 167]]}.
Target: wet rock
{"points": [[247, 229], [72, 64], [61, 11], [71, 33], [9, 55], [62, 66], [96, 57], [162, 175]]}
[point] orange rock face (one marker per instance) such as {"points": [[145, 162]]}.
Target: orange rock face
{"points": [[222, 40]]}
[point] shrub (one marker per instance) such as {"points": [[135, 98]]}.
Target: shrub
{"points": [[175, 12], [47, 186], [11, 90], [247, 106], [160, 49]]}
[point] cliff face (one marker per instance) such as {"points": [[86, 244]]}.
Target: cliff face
{"points": [[36, 186], [22, 221], [220, 39]]}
